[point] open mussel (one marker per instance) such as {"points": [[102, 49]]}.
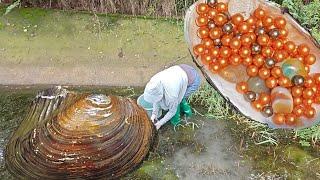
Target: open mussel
{"points": [[280, 57], [67, 135]]}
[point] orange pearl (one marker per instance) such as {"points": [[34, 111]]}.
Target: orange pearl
{"points": [[257, 105], [225, 52], [258, 60], [279, 119], [276, 72], [202, 20], [267, 21], [226, 39], [280, 55], [235, 43], [317, 100], [203, 32], [215, 68], [220, 19], [297, 91], [223, 62], [222, 7], [252, 70], [267, 51], [264, 73], [242, 87], [202, 8], [308, 93], [245, 52], [271, 82], [310, 112], [198, 49], [303, 49], [291, 120], [259, 13], [237, 19], [247, 61], [277, 44], [235, 60], [264, 98], [206, 58], [316, 78], [212, 13], [283, 33], [216, 33], [207, 42], [309, 81], [280, 22], [253, 36], [251, 21], [298, 111], [246, 40], [310, 59], [297, 101], [243, 27], [284, 81], [290, 46], [214, 52], [259, 23], [307, 102], [263, 39]]}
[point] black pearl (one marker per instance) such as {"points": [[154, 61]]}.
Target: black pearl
{"points": [[260, 31], [211, 25], [267, 111], [250, 96], [227, 28], [256, 48], [270, 63], [212, 3], [274, 33], [217, 42], [238, 35], [298, 80]]}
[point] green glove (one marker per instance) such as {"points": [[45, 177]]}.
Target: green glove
{"points": [[176, 118], [185, 108]]}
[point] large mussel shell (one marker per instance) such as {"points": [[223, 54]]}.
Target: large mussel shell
{"points": [[296, 33], [79, 136]]}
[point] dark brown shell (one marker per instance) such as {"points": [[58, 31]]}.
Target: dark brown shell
{"points": [[74, 136]]}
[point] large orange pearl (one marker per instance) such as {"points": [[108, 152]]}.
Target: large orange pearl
{"points": [[267, 51], [225, 52], [202, 20], [207, 42], [246, 40], [280, 22], [307, 102], [251, 21], [310, 112], [267, 21], [226, 39], [245, 52], [280, 55], [235, 60], [216, 33], [284, 81], [253, 36], [252, 70], [291, 120], [310, 59], [237, 19], [297, 101], [316, 78], [309, 81], [276, 72], [257, 105], [223, 62], [303, 49], [259, 13], [206, 58], [198, 49], [308, 93], [290, 46], [243, 27], [215, 68], [283, 33], [271, 82], [202, 8], [317, 100], [220, 19], [297, 91], [222, 7], [277, 44], [279, 119], [264, 73], [298, 111], [242, 87], [247, 61], [264, 98], [203, 32], [215, 52], [212, 13], [258, 60], [263, 39], [235, 43]]}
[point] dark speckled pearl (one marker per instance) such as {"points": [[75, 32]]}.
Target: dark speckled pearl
{"points": [[274, 33], [250, 96], [227, 28], [256, 48], [270, 63], [267, 111], [212, 3], [211, 25], [260, 31], [298, 80]]}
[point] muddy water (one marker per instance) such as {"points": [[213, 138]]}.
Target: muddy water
{"points": [[201, 149]]}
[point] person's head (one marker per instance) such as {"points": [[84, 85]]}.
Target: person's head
{"points": [[153, 91]]}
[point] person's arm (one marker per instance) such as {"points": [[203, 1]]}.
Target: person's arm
{"points": [[172, 111], [155, 111]]}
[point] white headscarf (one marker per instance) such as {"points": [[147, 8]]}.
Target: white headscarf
{"points": [[154, 90]]}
